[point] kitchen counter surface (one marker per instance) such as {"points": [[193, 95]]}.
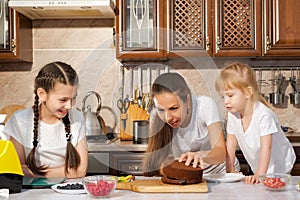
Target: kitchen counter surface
{"points": [[235, 190], [117, 145]]}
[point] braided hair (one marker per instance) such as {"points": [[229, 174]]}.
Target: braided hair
{"points": [[47, 77]]}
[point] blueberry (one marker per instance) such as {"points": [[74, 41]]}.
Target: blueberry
{"points": [[71, 186]]}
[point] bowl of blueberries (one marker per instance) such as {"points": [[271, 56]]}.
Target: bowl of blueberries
{"points": [[69, 188]]}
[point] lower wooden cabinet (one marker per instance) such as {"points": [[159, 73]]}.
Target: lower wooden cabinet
{"points": [[124, 163], [245, 168], [121, 163], [98, 163], [296, 168]]}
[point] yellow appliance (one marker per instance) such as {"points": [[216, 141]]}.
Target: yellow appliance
{"points": [[11, 173]]}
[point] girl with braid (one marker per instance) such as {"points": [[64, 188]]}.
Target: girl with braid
{"points": [[50, 136]]}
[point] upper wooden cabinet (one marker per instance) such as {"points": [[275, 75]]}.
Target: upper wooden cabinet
{"points": [[282, 27], [140, 29], [189, 25], [238, 28], [161, 29], [16, 36]]}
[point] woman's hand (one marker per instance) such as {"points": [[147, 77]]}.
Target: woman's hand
{"points": [[252, 179], [190, 157]]}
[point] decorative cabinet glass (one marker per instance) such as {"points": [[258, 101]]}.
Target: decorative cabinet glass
{"points": [[139, 29], [238, 28], [282, 25], [4, 31], [16, 35]]}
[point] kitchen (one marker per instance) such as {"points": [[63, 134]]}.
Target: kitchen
{"points": [[77, 42]]}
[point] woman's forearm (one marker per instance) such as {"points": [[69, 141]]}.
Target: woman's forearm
{"points": [[215, 156]]}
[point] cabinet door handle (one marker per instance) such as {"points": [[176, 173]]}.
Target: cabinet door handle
{"points": [[268, 43], [207, 43], [14, 46], [218, 43], [135, 168]]}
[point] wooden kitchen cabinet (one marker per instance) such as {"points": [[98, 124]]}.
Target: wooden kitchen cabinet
{"points": [[196, 28], [140, 29], [282, 28], [237, 28], [189, 28], [217, 28], [245, 167], [18, 45], [124, 163]]}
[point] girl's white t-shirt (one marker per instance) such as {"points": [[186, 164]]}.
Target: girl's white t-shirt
{"points": [[263, 122], [52, 139]]}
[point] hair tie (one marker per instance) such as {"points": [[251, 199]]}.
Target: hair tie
{"points": [[35, 143], [68, 136]]}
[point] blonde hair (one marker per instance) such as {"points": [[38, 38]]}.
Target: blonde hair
{"points": [[239, 76]]}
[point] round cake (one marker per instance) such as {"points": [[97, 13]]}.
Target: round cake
{"points": [[175, 172]]}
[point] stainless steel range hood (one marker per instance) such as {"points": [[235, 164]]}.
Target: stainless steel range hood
{"points": [[64, 9]]}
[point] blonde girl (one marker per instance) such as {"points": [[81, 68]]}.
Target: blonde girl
{"points": [[50, 136], [252, 125]]}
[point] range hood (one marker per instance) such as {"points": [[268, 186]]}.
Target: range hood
{"points": [[64, 9]]}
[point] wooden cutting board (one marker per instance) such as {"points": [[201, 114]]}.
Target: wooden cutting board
{"points": [[157, 186]]}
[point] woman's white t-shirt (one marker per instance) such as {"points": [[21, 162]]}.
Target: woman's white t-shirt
{"points": [[52, 140], [263, 122], [195, 136]]}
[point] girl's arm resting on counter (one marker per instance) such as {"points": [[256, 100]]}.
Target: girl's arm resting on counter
{"points": [[82, 150], [21, 153], [265, 154], [264, 159], [231, 144]]}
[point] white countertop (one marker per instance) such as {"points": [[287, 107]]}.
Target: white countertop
{"points": [[235, 190], [119, 145], [116, 146]]}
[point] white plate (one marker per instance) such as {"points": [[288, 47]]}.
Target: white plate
{"points": [[224, 178], [297, 187], [54, 187]]}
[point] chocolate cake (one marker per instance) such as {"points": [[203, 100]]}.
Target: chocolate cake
{"points": [[175, 172]]}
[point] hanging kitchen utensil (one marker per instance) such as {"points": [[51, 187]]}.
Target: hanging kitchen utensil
{"points": [[95, 124], [295, 95], [281, 83]]}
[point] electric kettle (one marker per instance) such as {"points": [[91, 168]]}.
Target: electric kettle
{"points": [[95, 124]]}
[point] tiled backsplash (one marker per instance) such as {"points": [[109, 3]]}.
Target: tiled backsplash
{"points": [[88, 46]]}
